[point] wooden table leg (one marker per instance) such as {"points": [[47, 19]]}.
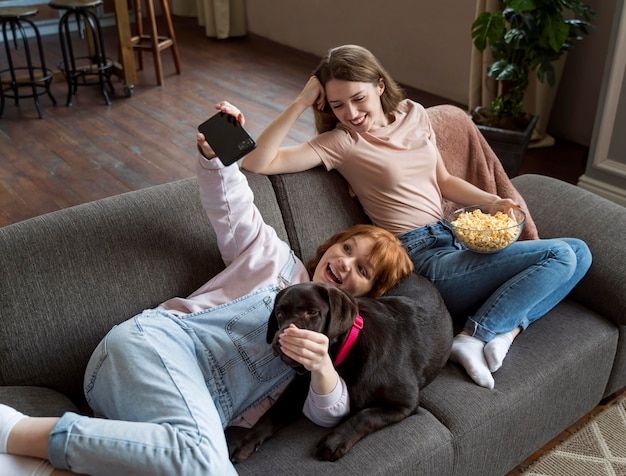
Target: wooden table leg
{"points": [[127, 69]]}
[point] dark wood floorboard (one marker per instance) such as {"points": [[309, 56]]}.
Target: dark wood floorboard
{"points": [[90, 151]]}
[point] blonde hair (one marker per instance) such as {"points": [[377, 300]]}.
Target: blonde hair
{"points": [[388, 256], [358, 64]]}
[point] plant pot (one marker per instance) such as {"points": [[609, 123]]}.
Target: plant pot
{"points": [[509, 145]]}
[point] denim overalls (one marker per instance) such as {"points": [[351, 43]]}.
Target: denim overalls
{"points": [[168, 385]]}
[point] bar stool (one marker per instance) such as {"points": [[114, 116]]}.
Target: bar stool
{"points": [[39, 76], [93, 67], [153, 41]]}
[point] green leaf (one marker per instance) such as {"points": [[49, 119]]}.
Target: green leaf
{"points": [[554, 33], [521, 5], [505, 72], [546, 72], [515, 37], [487, 29]]}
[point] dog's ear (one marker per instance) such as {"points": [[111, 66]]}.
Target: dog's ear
{"points": [[343, 311], [272, 327]]}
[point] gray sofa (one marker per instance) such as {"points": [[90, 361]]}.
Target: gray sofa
{"points": [[69, 276]]}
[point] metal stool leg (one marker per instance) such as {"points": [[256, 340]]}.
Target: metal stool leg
{"points": [[39, 77], [7, 45], [95, 67], [68, 56], [104, 72], [42, 62]]}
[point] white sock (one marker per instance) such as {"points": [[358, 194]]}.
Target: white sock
{"points": [[496, 350], [469, 352], [12, 465], [8, 418]]}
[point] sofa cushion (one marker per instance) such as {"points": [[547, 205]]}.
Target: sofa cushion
{"points": [[562, 209], [36, 401], [305, 199]]}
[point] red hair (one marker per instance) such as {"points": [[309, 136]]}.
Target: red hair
{"points": [[388, 256]]}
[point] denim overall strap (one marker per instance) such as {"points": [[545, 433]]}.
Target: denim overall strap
{"points": [[239, 365]]}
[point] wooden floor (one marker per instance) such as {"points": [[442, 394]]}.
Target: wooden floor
{"points": [[89, 151]]}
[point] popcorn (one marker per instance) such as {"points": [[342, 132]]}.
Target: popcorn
{"points": [[484, 232]]}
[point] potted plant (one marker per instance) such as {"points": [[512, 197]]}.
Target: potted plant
{"points": [[526, 36]]}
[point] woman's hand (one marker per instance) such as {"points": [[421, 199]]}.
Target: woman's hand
{"points": [[226, 108], [204, 148], [507, 202], [509, 205], [313, 94], [310, 349]]}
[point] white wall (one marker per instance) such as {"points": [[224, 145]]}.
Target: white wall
{"points": [[427, 45], [422, 44]]}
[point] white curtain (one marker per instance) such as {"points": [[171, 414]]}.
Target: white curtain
{"points": [[220, 18], [539, 96]]}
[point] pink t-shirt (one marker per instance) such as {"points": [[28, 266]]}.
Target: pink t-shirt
{"points": [[392, 170]]}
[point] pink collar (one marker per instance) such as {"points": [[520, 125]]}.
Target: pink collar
{"points": [[347, 345]]}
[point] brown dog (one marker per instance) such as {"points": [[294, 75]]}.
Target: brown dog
{"points": [[404, 343]]}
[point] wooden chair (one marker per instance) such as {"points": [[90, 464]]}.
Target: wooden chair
{"points": [[143, 41]]}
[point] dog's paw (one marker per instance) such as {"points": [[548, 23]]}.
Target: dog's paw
{"points": [[242, 449], [332, 447]]}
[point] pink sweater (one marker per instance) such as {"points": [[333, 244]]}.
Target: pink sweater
{"points": [[254, 255]]}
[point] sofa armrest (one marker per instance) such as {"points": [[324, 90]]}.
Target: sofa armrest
{"points": [[561, 209]]}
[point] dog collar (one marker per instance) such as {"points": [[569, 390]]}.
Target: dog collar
{"points": [[347, 345]]}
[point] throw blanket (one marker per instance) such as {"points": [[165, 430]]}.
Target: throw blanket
{"points": [[467, 154]]}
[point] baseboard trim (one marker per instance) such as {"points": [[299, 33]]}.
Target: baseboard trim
{"points": [[610, 192]]}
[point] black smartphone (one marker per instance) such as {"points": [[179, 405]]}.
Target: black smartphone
{"points": [[227, 137]]}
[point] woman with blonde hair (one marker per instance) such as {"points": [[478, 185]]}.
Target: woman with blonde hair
{"points": [[385, 147]]}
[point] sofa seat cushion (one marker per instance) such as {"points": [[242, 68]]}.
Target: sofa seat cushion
{"points": [[555, 373], [563, 209], [417, 445]]}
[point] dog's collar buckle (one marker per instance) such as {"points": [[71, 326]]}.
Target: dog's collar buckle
{"points": [[347, 345]]}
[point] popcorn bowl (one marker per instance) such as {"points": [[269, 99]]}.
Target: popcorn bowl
{"points": [[487, 228]]}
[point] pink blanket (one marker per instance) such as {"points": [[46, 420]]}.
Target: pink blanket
{"points": [[467, 154]]}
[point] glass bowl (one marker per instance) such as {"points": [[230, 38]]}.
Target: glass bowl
{"points": [[487, 228]]}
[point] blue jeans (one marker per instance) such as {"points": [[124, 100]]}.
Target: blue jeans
{"points": [[495, 293], [166, 386]]}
